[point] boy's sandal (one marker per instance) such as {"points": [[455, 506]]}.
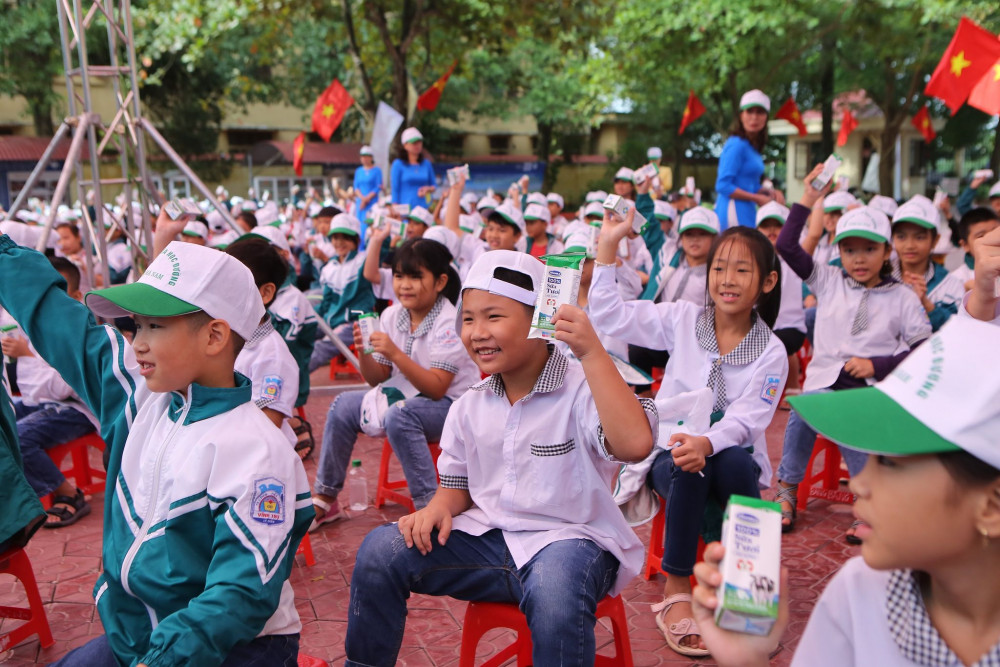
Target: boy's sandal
{"points": [[304, 443], [790, 495], [851, 538], [331, 513], [68, 510], [675, 633]]}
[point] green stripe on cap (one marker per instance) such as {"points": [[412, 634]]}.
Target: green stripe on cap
{"points": [[698, 225], [752, 104], [917, 221], [868, 420], [341, 230], [861, 234], [771, 217], [137, 299]]}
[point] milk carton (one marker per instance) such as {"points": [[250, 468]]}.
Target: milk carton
{"points": [[562, 285], [751, 569], [368, 324]]}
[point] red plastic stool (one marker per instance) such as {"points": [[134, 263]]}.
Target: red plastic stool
{"points": [[826, 482], [15, 562], [309, 661], [805, 356], [654, 555], [300, 412], [87, 479], [306, 549], [339, 365], [481, 617], [386, 487]]}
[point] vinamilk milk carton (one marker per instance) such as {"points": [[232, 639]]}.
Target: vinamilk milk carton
{"points": [[751, 568]]}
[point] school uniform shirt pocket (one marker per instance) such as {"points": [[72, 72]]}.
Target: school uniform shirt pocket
{"points": [[553, 474]]}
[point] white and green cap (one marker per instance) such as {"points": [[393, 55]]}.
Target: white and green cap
{"points": [[654, 153], [537, 198], [411, 134], [555, 198], [866, 223], [701, 218], [195, 228], [537, 212], [937, 400], [994, 191], [596, 195], [594, 209], [183, 279], [367, 150], [581, 242], [662, 210], [625, 174], [481, 275], [511, 214], [345, 223], [445, 237], [755, 98], [919, 210], [273, 235], [421, 214], [486, 203], [838, 201], [885, 204], [772, 210]]}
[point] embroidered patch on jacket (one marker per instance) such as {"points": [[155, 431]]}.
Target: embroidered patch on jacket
{"points": [[268, 504], [271, 389], [769, 392], [553, 450]]}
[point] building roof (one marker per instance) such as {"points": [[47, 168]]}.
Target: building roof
{"points": [[30, 149], [281, 152]]}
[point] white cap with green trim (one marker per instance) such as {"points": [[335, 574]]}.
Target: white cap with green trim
{"points": [[421, 214], [274, 236], [662, 210], [482, 276], [654, 153], [555, 198], [838, 201], [920, 211], [510, 213], [537, 212], [772, 210], [995, 190], [345, 223], [885, 204], [937, 400], [184, 279], [625, 174], [701, 218], [195, 228], [594, 210], [866, 223], [411, 134], [755, 98]]}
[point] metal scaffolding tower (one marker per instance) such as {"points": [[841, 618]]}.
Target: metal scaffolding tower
{"points": [[124, 137]]}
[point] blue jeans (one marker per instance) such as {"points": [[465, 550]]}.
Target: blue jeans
{"points": [[558, 591], [798, 447], [268, 651], [324, 350], [41, 427], [409, 425], [731, 471], [810, 323]]}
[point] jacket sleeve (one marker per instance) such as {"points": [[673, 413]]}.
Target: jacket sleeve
{"points": [[788, 243], [965, 201], [729, 167], [653, 234], [252, 555], [94, 360]]}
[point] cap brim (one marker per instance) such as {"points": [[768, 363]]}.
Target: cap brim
{"points": [[868, 420], [861, 234], [754, 104], [195, 234], [341, 230], [136, 299], [413, 140], [917, 221], [777, 218], [704, 228], [833, 209]]}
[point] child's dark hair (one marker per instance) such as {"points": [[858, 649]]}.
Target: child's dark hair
{"points": [[517, 279], [765, 258], [967, 470], [328, 212], [500, 220], [70, 226], [69, 271], [418, 254], [248, 217], [264, 262], [974, 217]]}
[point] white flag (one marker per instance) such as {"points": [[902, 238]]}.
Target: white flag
{"points": [[387, 122]]}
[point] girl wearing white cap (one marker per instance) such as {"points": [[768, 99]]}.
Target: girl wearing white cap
{"points": [[412, 175], [367, 182], [741, 166]]}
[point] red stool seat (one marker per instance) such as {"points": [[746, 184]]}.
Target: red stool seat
{"points": [[654, 554], [341, 368], [826, 482], [306, 549], [86, 478], [481, 617], [309, 661], [386, 488], [15, 562]]}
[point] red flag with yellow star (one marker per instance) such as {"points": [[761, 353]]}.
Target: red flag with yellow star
{"points": [[922, 121], [790, 111], [692, 112], [986, 95], [847, 125], [972, 52], [298, 152], [330, 109], [429, 100]]}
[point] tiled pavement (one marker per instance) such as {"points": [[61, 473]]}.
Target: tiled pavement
{"points": [[67, 561]]}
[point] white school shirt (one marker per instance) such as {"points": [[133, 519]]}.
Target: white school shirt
{"points": [[470, 247], [826, 250], [693, 289], [752, 388], [435, 343], [963, 273], [384, 289], [896, 322], [963, 310], [791, 313], [637, 254], [272, 370], [538, 470], [872, 617]]}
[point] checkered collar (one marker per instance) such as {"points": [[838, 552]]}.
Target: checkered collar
{"points": [[884, 286], [751, 347], [550, 379], [912, 629], [897, 271], [261, 332], [403, 321]]}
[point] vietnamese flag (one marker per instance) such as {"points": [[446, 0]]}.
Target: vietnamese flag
{"points": [[330, 109], [847, 125], [922, 121], [298, 152], [790, 111], [971, 53], [429, 100], [692, 112], [986, 95]]}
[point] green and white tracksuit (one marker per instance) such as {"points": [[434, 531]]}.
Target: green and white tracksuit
{"points": [[205, 503]]}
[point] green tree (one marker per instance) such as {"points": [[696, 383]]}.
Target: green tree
{"points": [[31, 57]]}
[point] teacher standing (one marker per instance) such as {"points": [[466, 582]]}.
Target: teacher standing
{"points": [[413, 176], [741, 165], [367, 183]]}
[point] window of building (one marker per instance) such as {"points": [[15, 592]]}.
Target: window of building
{"points": [[918, 157], [243, 140], [499, 144], [280, 188], [807, 155]]}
